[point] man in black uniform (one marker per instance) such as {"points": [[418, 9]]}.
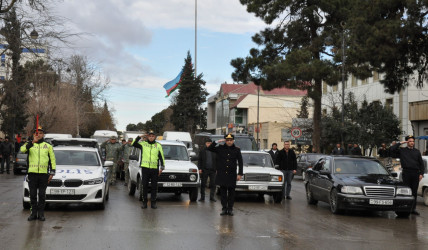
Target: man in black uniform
{"points": [[206, 165], [6, 151], [228, 158], [412, 165], [383, 152]]}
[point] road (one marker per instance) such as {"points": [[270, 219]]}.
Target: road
{"points": [[179, 224]]}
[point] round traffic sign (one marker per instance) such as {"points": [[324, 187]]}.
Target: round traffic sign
{"points": [[296, 132]]}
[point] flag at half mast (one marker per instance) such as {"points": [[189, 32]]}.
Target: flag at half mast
{"points": [[173, 84]]}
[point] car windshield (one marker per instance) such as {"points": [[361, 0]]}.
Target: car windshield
{"points": [[175, 152], [244, 143], [257, 160], [314, 158], [101, 139], [75, 157], [359, 167]]}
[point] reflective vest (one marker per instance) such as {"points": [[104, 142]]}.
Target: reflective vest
{"points": [[40, 157], [150, 154]]}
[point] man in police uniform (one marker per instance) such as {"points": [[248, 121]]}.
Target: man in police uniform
{"points": [[412, 165], [112, 149], [41, 169], [152, 164], [228, 158], [126, 149]]}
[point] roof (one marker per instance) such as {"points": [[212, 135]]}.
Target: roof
{"points": [[240, 99], [75, 148], [171, 142], [251, 89]]}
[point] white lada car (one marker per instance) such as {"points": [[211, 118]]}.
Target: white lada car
{"points": [[179, 176], [260, 177], [80, 175], [423, 184]]}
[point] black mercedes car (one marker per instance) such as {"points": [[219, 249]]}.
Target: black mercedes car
{"points": [[305, 161], [356, 183]]}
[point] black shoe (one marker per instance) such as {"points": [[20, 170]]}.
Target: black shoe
{"points": [[230, 212], [1, 172], [41, 218], [201, 199], [144, 206], [223, 212], [415, 212], [153, 205], [32, 217], [288, 198], [213, 199]]}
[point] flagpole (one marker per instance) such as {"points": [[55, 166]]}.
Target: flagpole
{"points": [[196, 31]]}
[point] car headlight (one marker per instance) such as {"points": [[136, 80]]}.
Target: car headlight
{"points": [[404, 191], [351, 190], [193, 177], [276, 178], [93, 181]]}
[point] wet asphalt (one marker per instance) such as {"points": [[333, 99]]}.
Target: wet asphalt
{"points": [[181, 224]]}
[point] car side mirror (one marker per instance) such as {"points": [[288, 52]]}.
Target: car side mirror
{"points": [[193, 156], [324, 172], [133, 157], [394, 174], [108, 164]]}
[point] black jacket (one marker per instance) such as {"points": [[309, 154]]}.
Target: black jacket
{"points": [[273, 154], [286, 162], [356, 151], [228, 161], [410, 159], [202, 160], [6, 148], [337, 151], [383, 152]]}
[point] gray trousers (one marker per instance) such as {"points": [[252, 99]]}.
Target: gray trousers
{"points": [[288, 177]]}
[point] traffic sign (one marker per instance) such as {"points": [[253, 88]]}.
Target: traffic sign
{"points": [[296, 132]]}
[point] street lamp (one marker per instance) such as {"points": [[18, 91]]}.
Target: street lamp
{"points": [[329, 41], [34, 35]]}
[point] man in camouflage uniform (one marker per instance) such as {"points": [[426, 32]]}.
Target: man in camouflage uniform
{"points": [[112, 149], [126, 150]]}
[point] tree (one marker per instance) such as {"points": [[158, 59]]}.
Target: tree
{"points": [[187, 110], [304, 113]]}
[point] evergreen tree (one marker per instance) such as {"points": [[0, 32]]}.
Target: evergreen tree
{"points": [[188, 113]]}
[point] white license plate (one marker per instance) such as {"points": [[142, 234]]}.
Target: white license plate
{"points": [[62, 191], [380, 202], [173, 184], [257, 187]]}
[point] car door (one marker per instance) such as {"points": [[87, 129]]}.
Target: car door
{"points": [[314, 179], [299, 164], [325, 181], [134, 165]]}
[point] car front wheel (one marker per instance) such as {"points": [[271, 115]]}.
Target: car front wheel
{"points": [[403, 214], [309, 197], [26, 205], [277, 197], [334, 205], [425, 195], [193, 194], [131, 188]]}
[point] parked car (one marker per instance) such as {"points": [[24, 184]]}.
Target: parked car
{"points": [[81, 176], [179, 136], [260, 177], [179, 176], [243, 141], [305, 161], [356, 183], [20, 163], [423, 184]]}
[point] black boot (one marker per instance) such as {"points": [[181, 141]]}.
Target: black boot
{"points": [[153, 205], [33, 216], [224, 212], [230, 211], [41, 216], [144, 206]]}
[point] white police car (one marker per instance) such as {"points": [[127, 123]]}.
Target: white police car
{"points": [[179, 176], [80, 175]]}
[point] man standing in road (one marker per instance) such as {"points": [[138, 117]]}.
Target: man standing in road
{"points": [[126, 150], [112, 149], [41, 169], [152, 164], [206, 165], [287, 162], [383, 152], [7, 151], [356, 150], [274, 151], [412, 165], [227, 160], [338, 150]]}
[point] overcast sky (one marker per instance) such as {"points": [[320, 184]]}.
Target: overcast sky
{"points": [[142, 44]]}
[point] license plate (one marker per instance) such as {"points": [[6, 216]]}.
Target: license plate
{"points": [[173, 184], [380, 202], [62, 191], [257, 187]]}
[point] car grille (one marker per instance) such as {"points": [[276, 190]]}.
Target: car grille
{"points": [[58, 197], [55, 183], [257, 177], [73, 183], [171, 177], [379, 191]]}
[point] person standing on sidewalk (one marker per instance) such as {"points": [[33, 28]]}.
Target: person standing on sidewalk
{"points": [[412, 165], [228, 159], [152, 165], [206, 165], [41, 169], [287, 162]]}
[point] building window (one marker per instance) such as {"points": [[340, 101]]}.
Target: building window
{"points": [[375, 76], [389, 103], [241, 117], [354, 82], [335, 87], [324, 87]]}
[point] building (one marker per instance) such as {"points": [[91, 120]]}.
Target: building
{"points": [[408, 105], [237, 107]]}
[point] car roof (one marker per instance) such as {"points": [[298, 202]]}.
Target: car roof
{"points": [[171, 142], [254, 152], [79, 142], [75, 148], [352, 157]]}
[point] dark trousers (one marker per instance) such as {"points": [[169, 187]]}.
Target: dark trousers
{"points": [[288, 178], [205, 174], [37, 182], [5, 158], [411, 179], [150, 174], [227, 197]]}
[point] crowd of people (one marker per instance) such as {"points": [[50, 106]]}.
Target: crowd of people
{"points": [[8, 150]]}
